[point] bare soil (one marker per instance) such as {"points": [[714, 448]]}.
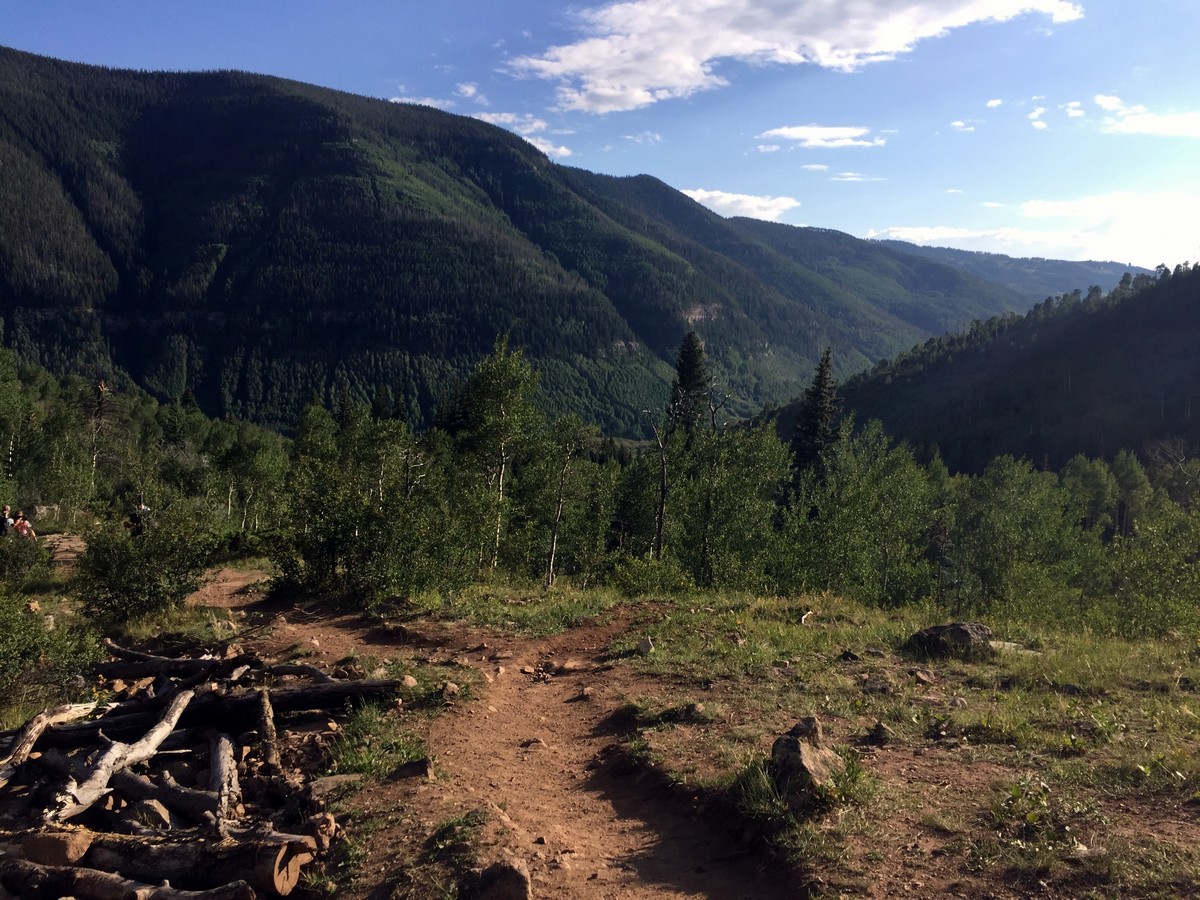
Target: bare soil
{"points": [[540, 750]]}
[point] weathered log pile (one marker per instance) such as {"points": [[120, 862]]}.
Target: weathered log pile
{"points": [[189, 785]]}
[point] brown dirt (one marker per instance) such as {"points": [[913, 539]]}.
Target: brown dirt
{"points": [[541, 761]]}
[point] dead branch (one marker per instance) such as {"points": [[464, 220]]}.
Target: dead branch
{"points": [[28, 879], [75, 798], [266, 729], [33, 730], [233, 712]]}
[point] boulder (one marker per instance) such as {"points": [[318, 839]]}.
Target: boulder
{"points": [[961, 640], [801, 767], [505, 880]]}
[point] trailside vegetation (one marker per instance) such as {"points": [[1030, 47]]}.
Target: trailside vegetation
{"points": [[363, 511]]}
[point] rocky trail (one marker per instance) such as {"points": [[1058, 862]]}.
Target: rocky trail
{"points": [[535, 750], [535, 760]]}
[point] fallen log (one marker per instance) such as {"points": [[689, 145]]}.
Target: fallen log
{"points": [[75, 797], [268, 861], [299, 669], [238, 711], [134, 663], [188, 801], [223, 777], [267, 733], [28, 879], [33, 729]]}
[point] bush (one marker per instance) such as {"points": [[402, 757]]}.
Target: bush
{"points": [[636, 576], [21, 561], [120, 577], [35, 659]]}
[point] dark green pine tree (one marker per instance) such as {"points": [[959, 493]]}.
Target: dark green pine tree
{"points": [[690, 390], [818, 415]]}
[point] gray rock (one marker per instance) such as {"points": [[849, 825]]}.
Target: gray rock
{"points": [[962, 640], [800, 766], [645, 646], [505, 880]]}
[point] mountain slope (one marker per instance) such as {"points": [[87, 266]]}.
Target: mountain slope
{"points": [[1033, 278], [1089, 375], [257, 241]]}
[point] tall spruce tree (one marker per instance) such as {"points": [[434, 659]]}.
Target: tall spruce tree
{"points": [[814, 430], [690, 390]]}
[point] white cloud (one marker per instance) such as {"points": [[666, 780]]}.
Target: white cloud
{"points": [[529, 127], [853, 176], [1075, 110], [522, 123], [633, 53], [768, 148], [992, 204], [469, 90], [425, 101], [1139, 120], [645, 137], [1039, 125], [1035, 119], [550, 149], [1142, 229], [992, 104], [955, 191], [816, 167], [960, 125], [726, 204], [825, 136]]}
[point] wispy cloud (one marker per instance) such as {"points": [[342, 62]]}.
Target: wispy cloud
{"points": [[768, 148], [816, 167], [1125, 226], [435, 102], [1124, 119], [636, 53], [960, 125], [825, 137], [1075, 110], [854, 176], [645, 137], [992, 104], [727, 204], [469, 90], [529, 127], [1035, 119]]}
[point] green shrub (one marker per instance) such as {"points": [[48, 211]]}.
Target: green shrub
{"points": [[638, 576], [21, 561], [36, 659], [120, 577]]}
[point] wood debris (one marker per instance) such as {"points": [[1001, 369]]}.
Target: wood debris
{"points": [[188, 787]]}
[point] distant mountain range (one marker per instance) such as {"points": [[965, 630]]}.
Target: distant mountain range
{"points": [[1079, 374], [1034, 279], [258, 241]]}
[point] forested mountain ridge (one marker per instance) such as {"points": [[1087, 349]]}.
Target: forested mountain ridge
{"points": [[257, 241], [1077, 374], [1033, 278]]}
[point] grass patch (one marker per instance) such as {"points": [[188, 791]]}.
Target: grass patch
{"points": [[537, 612], [373, 742]]}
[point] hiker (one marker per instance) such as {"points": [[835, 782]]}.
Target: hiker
{"points": [[6, 522], [22, 526], [137, 519]]}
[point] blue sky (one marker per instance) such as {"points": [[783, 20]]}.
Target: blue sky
{"points": [[1059, 128]]}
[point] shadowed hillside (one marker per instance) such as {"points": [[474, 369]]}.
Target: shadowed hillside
{"points": [[258, 241]]}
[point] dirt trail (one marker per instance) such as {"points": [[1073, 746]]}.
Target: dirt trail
{"points": [[537, 756], [534, 751]]}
